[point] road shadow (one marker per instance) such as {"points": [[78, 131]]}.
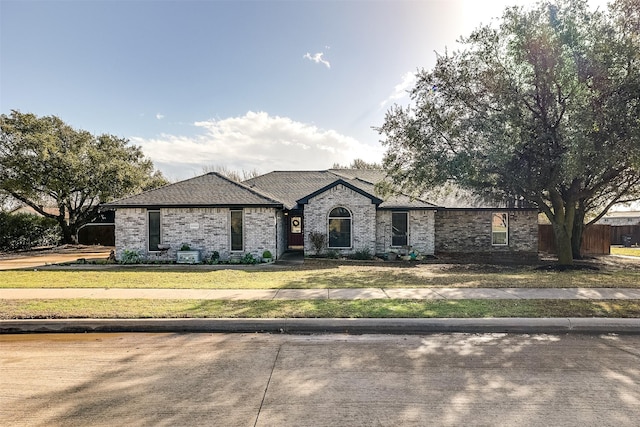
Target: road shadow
{"points": [[265, 380]]}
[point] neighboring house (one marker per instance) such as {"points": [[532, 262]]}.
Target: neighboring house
{"points": [[277, 212], [625, 227], [621, 218]]}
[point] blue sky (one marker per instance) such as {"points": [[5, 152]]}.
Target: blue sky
{"points": [[264, 85]]}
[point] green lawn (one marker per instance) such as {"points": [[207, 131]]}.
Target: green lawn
{"points": [[625, 251], [137, 308], [335, 276], [311, 275]]}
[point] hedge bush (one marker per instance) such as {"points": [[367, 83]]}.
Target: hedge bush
{"points": [[25, 231]]}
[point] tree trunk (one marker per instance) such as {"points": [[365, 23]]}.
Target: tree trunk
{"points": [[69, 232], [562, 219], [577, 232], [563, 244], [576, 239]]}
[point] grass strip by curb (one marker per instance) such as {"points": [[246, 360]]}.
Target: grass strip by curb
{"points": [[145, 308]]}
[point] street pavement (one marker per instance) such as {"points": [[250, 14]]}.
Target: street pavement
{"points": [[319, 380]]}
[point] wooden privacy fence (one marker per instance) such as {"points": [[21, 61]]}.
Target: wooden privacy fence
{"points": [[617, 231], [596, 240]]}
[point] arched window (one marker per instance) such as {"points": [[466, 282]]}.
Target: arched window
{"points": [[340, 228]]}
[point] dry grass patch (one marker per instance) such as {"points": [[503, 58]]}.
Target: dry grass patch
{"points": [[334, 276], [136, 308], [635, 252]]}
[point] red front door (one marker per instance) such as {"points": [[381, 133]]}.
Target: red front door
{"points": [[296, 232]]}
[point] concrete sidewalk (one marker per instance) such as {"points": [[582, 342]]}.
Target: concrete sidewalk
{"points": [[327, 325], [333, 294]]}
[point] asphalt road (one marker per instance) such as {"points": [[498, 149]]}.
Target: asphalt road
{"points": [[319, 380]]}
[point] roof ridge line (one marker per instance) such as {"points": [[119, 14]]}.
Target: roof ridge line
{"points": [[246, 187]]}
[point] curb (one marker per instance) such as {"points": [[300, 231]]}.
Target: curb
{"points": [[328, 325]]}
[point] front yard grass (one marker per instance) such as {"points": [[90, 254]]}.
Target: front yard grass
{"points": [[138, 308], [333, 276], [625, 251]]}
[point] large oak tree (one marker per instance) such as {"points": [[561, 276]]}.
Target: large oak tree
{"points": [[44, 161], [543, 107]]}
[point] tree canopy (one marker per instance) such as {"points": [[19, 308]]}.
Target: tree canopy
{"points": [[544, 107], [44, 161], [357, 164]]}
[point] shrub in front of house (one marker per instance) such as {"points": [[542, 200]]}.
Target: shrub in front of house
{"points": [[333, 254], [362, 254], [248, 259], [318, 241], [130, 257]]}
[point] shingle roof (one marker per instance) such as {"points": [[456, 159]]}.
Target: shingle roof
{"points": [[211, 189], [286, 188], [372, 176], [291, 186]]}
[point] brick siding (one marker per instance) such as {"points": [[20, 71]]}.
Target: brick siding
{"points": [[203, 229], [469, 231], [421, 231], [363, 218]]}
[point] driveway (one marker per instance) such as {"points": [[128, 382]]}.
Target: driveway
{"points": [[33, 259]]}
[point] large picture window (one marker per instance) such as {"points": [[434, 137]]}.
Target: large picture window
{"points": [[399, 229], [237, 237], [340, 228], [153, 223], [500, 229]]}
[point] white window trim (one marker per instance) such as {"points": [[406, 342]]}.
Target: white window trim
{"points": [[506, 243], [147, 227], [408, 228], [350, 228]]}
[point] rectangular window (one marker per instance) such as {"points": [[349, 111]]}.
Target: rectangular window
{"points": [[339, 232], [237, 239], [399, 228], [500, 229], [154, 230]]}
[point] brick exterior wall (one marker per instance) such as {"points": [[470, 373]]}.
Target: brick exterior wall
{"points": [[469, 231], [363, 218], [444, 231], [281, 233], [130, 230], [203, 229], [421, 231]]}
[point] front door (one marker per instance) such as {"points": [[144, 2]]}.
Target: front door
{"points": [[296, 232]]}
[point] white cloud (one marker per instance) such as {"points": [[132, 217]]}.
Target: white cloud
{"points": [[400, 90], [317, 58], [254, 141], [159, 116]]}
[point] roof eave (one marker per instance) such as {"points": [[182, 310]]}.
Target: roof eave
{"points": [[193, 205]]}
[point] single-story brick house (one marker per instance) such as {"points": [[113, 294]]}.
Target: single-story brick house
{"points": [[278, 211]]}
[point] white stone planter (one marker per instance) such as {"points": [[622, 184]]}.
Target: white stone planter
{"points": [[188, 257]]}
